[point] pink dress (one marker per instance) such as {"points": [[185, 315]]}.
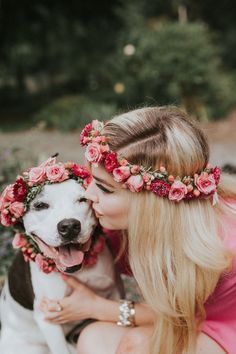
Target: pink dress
{"points": [[220, 323]]}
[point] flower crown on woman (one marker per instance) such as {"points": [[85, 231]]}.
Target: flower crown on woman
{"points": [[138, 178]]}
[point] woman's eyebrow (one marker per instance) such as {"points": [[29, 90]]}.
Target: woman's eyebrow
{"points": [[103, 181]]}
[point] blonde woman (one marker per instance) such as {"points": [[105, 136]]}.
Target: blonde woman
{"points": [[152, 178]]}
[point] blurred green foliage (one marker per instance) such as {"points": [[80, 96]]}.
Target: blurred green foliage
{"points": [[73, 112], [12, 163], [177, 63], [183, 52]]}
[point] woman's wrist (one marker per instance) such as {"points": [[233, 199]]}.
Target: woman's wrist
{"points": [[106, 310], [109, 311]]}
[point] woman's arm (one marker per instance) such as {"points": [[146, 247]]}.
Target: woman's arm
{"points": [[108, 310], [83, 303]]}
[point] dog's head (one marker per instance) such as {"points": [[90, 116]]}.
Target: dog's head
{"points": [[60, 220], [49, 200]]}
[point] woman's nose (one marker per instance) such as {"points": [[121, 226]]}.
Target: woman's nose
{"points": [[90, 194]]}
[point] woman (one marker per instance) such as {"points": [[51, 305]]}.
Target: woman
{"points": [[152, 178]]}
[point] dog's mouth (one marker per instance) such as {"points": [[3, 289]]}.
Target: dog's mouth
{"points": [[67, 257]]}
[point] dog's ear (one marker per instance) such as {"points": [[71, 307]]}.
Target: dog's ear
{"points": [[55, 155]]}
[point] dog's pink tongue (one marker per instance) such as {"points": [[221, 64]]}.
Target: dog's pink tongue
{"points": [[48, 251], [69, 256]]}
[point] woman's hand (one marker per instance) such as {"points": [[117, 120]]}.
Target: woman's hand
{"points": [[79, 305]]}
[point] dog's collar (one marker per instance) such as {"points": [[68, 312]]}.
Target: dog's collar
{"points": [[31, 252]]}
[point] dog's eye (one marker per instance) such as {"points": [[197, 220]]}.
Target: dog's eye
{"points": [[82, 200], [40, 206]]}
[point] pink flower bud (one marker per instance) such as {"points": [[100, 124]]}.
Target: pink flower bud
{"points": [[196, 192], [189, 188], [135, 169], [171, 178], [123, 162], [162, 169]]}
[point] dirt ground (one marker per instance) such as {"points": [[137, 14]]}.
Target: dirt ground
{"points": [[41, 144]]}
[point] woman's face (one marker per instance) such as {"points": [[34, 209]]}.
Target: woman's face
{"points": [[109, 200]]}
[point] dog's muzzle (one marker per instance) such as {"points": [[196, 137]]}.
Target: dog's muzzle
{"points": [[69, 229]]}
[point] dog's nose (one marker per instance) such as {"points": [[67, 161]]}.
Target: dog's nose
{"points": [[69, 228]]}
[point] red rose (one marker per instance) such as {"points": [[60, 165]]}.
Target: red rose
{"points": [[85, 133], [20, 190], [190, 196], [160, 188], [216, 173], [111, 162], [80, 171]]}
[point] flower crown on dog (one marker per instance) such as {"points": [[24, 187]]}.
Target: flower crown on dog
{"points": [[15, 200], [137, 178], [16, 197]]}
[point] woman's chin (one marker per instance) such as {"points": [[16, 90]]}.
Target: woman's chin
{"points": [[106, 224]]}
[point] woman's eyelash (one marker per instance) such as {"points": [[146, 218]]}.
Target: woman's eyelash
{"points": [[103, 188]]}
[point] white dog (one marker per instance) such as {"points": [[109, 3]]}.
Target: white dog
{"points": [[61, 221]]}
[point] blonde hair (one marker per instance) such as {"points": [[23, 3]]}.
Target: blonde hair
{"points": [[176, 250]]}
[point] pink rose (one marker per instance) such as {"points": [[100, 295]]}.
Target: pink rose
{"points": [[42, 263], [4, 203], [135, 183], [135, 169], [37, 175], [48, 162], [121, 173], [57, 173], [93, 153], [205, 183], [177, 191], [6, 219], [17, 209], [19, 241], [7, 195]]}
